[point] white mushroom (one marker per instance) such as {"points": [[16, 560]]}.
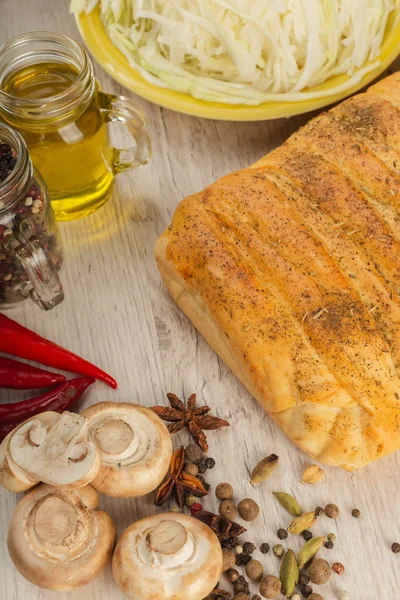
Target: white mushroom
{"points": [[12, 477], [56, 538], [170, 556], [135, 448], [55, 450]]}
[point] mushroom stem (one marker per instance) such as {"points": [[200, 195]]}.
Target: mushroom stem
{"points": [[167, 537]]}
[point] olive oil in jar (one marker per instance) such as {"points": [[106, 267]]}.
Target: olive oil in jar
{"points": [[71, 149]]}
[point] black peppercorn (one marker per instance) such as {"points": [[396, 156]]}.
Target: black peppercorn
{"points": [[202, 468], [282, 534], [241, 585], [355, 513], [329, 545], [396, 548], [256, 597], [319, 511], [248, 548], [264, 548], [306, 590], [209, 463], [304, 579], [238, 560], [246, 558], [206, 485], [232, 575], [201, 478], [307, 535]]}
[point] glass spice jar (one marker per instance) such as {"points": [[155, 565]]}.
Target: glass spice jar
{"points": [[30, 251]]}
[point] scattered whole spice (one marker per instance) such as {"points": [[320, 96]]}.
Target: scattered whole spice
{"points": [[282, 534], [241, 585], [356, 513], [228, 560], [296, 597], [256, 597], [201, 479], [248, 509], [304, 579], [196, 507], [254, 570], [288, 502], [189, 500], [210, 463], [232, 575], [195, 418], [270, 587], [319, 571], [245, 558], [278, 550], [315, 596], [332, 511], [395, 548], [202, 468], [264, 469], [178, 482], [225, 529], [329, 545], [343, 595], [227, 509], [248, 547], [193, 453], [319, 511], [307, 535], [331, 537], [289, 573], [306, 590], [239, 549], [338, 568], [309, 550], [191, 469], [224, 491], [241, 596], [300, 524], [175, 509], [312, 475]]}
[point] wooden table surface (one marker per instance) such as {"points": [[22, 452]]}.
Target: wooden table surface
{"points": [[118, 314]]}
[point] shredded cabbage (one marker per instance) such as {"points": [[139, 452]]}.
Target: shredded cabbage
{"points": [[247, 51]]}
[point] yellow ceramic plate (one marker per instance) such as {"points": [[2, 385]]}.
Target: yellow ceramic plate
{"points": [[115, 63]]}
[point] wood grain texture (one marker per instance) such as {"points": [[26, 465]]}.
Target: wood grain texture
{"points": [[118, 314]]}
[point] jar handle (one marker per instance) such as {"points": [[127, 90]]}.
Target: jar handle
{"points": [[123, 110], [47, 289]]}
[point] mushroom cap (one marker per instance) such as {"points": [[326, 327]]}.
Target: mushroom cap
{"points": [[56, 538], [56, 451], [12, 477], [135, 447], [169, 556]]}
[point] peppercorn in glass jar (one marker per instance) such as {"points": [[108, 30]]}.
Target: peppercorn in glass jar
{"points": [[48, 92], [30, 252]]}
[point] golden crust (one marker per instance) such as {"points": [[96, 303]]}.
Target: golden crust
{"points": [[290, 269]]}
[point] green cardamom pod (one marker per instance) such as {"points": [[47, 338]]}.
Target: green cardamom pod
{"points": [[288, 502], [264, 469], [309, 550], [289, 573], [300, 524]]}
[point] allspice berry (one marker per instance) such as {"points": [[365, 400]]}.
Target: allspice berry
{"points": [[228, 560], [248, 509], [315, 596], [228, 509], [270, 587], [319, 571], [254, 570], [224, 491], [241, 596], [332, 511], [193, 453]]}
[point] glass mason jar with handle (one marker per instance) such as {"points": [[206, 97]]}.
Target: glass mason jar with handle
{"points": [[30, 251], [48, 92]]}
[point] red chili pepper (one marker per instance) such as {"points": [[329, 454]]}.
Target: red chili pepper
{"points": [[20, 341], [20, 376], [60, 398]]}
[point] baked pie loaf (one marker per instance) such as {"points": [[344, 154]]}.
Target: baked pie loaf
{"points": [[291, 271]]}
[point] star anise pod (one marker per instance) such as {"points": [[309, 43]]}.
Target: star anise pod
{"points": [[218, 594], [223, 528], [195, 418], [179, 482]]}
